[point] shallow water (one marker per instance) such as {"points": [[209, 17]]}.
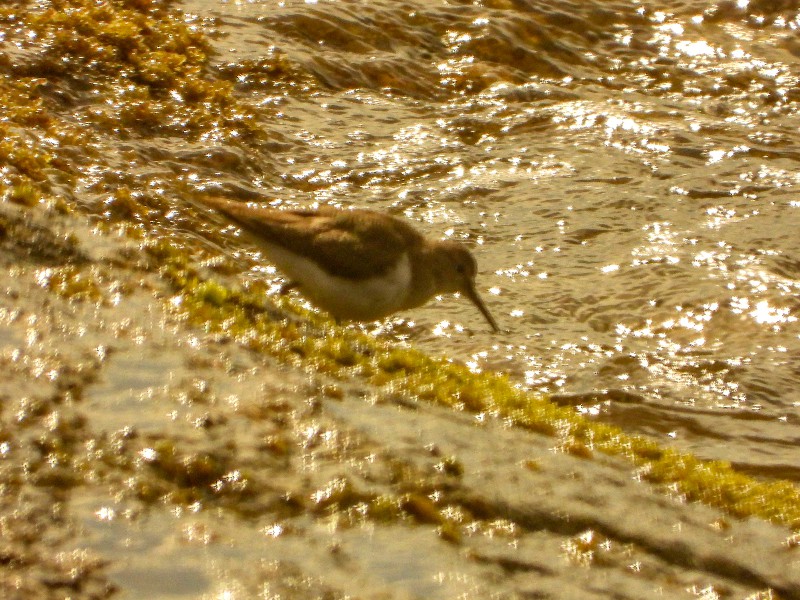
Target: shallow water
{"points": [[627, 171]]}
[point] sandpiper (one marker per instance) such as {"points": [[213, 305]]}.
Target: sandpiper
{"points": [[358, 265]]}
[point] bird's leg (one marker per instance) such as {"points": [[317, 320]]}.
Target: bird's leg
{"points": [[287, 287]]}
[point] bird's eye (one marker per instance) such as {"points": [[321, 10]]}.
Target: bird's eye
{"points": [[461, 269]]}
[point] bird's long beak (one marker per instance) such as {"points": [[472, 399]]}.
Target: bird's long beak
{"points": [[472, 294]]}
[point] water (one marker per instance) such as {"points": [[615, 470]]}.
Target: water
{"points": [[627, 172]]}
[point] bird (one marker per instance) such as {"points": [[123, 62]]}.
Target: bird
{"points": [[358, 265]]}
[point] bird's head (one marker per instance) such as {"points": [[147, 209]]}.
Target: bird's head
{"points": [[455, 269]]}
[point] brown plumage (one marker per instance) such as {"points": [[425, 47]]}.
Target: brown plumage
{"points": [[358, 265]]}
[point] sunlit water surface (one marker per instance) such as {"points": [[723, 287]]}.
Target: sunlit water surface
{"points": [[627, 173]]}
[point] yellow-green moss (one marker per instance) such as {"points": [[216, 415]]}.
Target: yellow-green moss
{"points": [[84, 72], [70, 281], [343, 352], [25, 194]]}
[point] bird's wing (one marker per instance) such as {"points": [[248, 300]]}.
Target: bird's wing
{"points": [[349, 243]]}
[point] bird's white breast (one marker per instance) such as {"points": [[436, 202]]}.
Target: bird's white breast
{"points": [[351, 299]]}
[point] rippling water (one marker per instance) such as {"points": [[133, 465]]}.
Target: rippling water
{"points": [[626, 170]]}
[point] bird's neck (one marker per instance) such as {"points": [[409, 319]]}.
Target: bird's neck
{"points": [[424, 269]]}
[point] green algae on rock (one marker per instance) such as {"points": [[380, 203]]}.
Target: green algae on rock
{"points": [[343, 353]]}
